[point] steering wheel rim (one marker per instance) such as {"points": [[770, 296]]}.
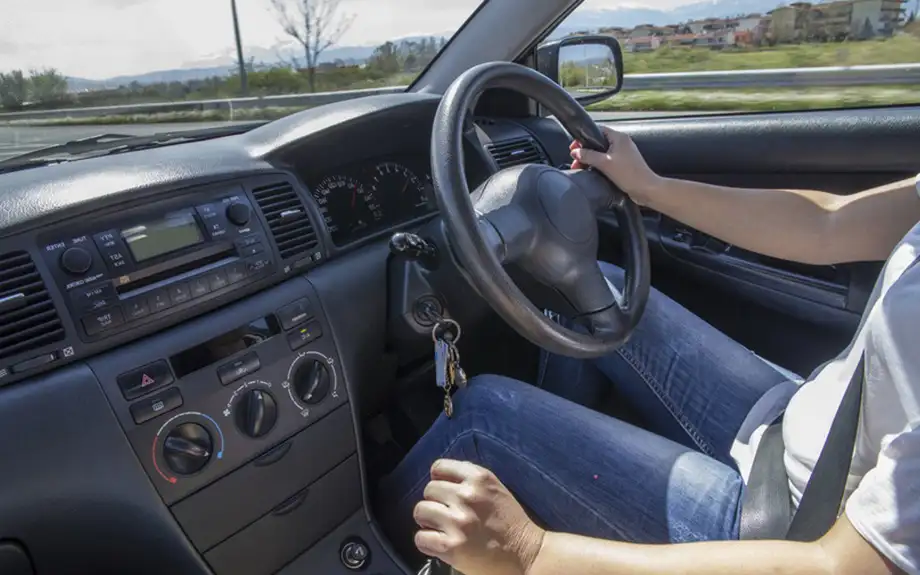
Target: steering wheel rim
{"points": [[545, 229]]}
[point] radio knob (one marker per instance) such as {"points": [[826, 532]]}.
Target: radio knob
{"points": [[256, 413], [311, 382], [76, 261], [238, 214]]}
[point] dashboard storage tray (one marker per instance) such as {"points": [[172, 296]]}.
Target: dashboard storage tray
{"points": [[292, 527]]}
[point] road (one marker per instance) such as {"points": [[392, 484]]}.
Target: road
{"points": [[15, 139]]}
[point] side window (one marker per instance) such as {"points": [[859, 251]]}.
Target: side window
{"points": [[697, 57]]}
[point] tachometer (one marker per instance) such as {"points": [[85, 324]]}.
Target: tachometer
{"points": [[403, 191], [348, 207]]}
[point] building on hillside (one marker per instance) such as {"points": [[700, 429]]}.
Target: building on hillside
{"points": [[642, 44], [835, 21], [871, 18], [749, 23], [788, 24], [830, 21]]}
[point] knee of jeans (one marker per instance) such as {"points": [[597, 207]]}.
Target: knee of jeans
{"points": [[487, 394]]}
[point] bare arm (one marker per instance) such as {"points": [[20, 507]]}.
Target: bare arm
{"points": [[841, 552], [471, 521], [806, 226]]}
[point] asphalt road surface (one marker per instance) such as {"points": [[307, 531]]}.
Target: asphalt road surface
{"points": [[15, 139]]}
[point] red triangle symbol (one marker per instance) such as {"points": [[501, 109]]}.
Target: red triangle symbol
{"points": [[146, 380]]}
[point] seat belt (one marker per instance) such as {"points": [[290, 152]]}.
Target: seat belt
{"points": [[765, 509], [821, 500]]}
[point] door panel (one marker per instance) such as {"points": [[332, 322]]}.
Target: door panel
{"points": [[794, 314]]}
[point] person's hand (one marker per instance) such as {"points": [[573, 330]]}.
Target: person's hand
{"points": [[472, 522], [622, 163]]}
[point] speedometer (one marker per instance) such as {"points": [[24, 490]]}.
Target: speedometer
{"points": [[348, 207], [402, 190]]}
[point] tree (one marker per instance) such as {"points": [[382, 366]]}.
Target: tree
{"points": [[315, 25], [14, 89], [48, 86], [867, 31], [385, 58]]}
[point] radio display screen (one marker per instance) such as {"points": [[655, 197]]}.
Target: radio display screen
{"points": [[173, 232]]}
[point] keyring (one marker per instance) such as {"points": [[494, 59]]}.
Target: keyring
{"points": [[441, 324]]}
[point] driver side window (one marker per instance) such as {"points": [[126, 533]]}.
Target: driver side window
{"points": [[689, 57]]}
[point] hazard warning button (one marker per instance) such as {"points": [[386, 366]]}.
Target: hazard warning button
{"points": [[143, 380]]}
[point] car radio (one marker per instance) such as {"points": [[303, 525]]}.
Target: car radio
{"points": [[152, 263]]}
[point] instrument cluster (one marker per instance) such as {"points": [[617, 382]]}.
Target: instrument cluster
{"points": [[362, 199]]}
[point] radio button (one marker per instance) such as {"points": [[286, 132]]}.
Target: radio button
{"points": [[136, 308], [251, 250], [113, 251], [199, 287], [179, 293], [86, 294], [218, 279], [258, 265], [237, 272], [214, 220], [247, 241], [159, 300], [103, 320]]}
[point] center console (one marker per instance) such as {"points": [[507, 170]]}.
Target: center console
{"points": [[247, 435]]}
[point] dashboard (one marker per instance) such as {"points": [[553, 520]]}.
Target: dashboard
{"points": [[360, 199], [183, 334]]}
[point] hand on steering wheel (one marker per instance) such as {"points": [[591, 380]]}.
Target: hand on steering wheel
{"points": [[541, 218]]}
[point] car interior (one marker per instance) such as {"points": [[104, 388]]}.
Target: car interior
{"points": [[211, 352]]}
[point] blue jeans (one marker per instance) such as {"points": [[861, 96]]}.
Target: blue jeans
{"points": [[580, 471]]}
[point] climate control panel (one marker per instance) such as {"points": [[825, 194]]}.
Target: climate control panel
{"points": [[196, 412]]}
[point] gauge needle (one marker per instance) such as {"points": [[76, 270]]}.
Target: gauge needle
{"points": [[405, 187], [354, 195]]}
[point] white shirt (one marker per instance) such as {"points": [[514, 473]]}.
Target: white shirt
{"points": [[883, 488]]}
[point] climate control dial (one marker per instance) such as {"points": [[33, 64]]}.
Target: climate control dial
{"points": [[256, 413], [311, 381], [187, 448]]}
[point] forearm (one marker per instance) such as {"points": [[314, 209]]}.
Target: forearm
{"points": [[562, 554], [807, 226]]}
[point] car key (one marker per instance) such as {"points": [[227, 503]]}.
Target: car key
{"points": [[446, 359]]}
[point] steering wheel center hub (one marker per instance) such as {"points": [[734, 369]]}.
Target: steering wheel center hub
{"points": [[566, 207]]}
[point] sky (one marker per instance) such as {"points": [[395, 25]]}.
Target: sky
{"points": [[99, 39]]}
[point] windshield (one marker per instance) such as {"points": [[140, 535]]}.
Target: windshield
{"points": [[149, 66]]}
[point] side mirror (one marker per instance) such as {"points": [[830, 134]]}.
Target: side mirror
{"points": [[589, 67]]}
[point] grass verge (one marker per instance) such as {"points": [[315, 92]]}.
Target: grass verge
{"points": [[740, 100], [748, 100]]}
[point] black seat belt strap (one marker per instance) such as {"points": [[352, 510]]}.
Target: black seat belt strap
{"points": [[822, 497]]}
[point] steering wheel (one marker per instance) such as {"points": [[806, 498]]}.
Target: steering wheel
{"points": [[541, 218]]}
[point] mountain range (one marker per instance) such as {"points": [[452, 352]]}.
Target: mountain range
{"points": [[222, 64]]}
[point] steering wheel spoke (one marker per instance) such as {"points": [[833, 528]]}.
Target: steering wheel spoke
{"points": [[509, 231]]}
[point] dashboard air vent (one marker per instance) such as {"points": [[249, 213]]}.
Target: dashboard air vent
{"points": [[287, 218], [516, 152], [28, 319]]}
